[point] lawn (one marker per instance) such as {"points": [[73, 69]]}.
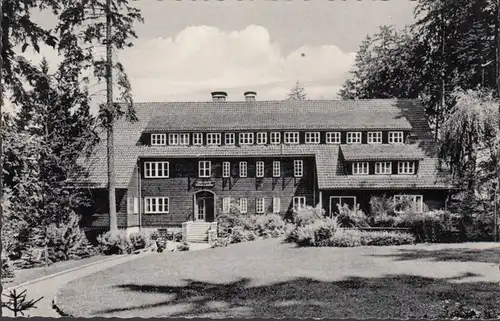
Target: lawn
{"points": [[25, 275], [269, 279]]}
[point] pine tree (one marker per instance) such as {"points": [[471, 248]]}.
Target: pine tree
{"points": [[297, 93], [106, 23]]}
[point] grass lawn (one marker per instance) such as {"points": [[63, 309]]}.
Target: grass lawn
{"points": [[25, 275], [269, 279]]}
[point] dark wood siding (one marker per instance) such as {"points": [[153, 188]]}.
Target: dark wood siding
{"points": [[181, 186]]}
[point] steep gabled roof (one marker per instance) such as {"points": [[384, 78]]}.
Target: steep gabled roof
{"points": [[308, 115], [284, 115]]}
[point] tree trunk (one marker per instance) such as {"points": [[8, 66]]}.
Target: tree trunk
{"points": [[1, 147], [498, 96], [113, 221]]}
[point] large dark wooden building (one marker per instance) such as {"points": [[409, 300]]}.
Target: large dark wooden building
{"points": [[191, 161]]}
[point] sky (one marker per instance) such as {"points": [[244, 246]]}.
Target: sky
{"points": [[186, 49]]}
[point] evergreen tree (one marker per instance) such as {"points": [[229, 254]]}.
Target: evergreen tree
{"points": [[106, 23], [297, 93]]}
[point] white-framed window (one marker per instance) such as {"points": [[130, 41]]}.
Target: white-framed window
{"points": [[276, 168], [259, 205], [132, 205], [298, 168], [259, 169], [197, 138], [204, 169], [156, 169], [173, 139], [261, 138], [158, 139], [243, 169], [354, 137], [291, 138], [333, 137], [275, 138], [383, 168], [229, 138], [226, 169], [299, 202], [226, 204], [396, 137], [360, 168], [312, 137], [276, 205], [243, 205], [156, 205], [213, 139], [340, 201], [246, 138], [374, 137], [409, 202], [406, 168], [184, 139]]}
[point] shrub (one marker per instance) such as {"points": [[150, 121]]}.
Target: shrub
{"points": [[382, 206], [352, 217], [183, 247], [154, 235], [307, 215], [66, 242], [315, 234], [226, 222], [116, 243], [238, 235], [141, 240], [265, 225], [353, 238], [221, 242], [433, 226], [346, 238], [386, 238]]}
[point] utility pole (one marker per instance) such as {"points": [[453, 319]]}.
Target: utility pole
{"points": [[113, 222]]}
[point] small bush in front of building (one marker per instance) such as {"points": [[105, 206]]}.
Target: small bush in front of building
{"points": [[221, 242], [307, 215], [352, 217], [346, 238], [238, 235], [183, 247], [142, 240], [316, 233], [386, 238], [433, 226], [115, 243], [354, 238]]}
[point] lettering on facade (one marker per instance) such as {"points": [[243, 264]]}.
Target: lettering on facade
{"points": [[204, 183]]}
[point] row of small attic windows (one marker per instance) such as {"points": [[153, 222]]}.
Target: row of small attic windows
{"points": [[261, 138]]}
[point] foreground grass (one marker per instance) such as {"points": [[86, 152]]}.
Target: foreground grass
{"points": [[270, 279], [25, 275]]}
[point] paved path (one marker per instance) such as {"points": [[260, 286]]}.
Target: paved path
{"points": [[48, 288]]}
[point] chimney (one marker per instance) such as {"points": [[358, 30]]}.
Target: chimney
{"points": [[219, 96], [250, 95]]}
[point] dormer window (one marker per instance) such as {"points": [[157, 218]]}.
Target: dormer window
{"points": [[354, 137], [396, 138], [173, 139], [246, 138], [158, 139], [360, 168], [374, 137], [184, 139], [213, 139], [333, 138], [229, 138], [406, 168], [261, 138], [275, 138], [312, 138], [291, 137], [382, 168], [198, 139]]}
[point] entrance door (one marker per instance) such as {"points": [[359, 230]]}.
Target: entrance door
{"points": [[205, 206]]}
